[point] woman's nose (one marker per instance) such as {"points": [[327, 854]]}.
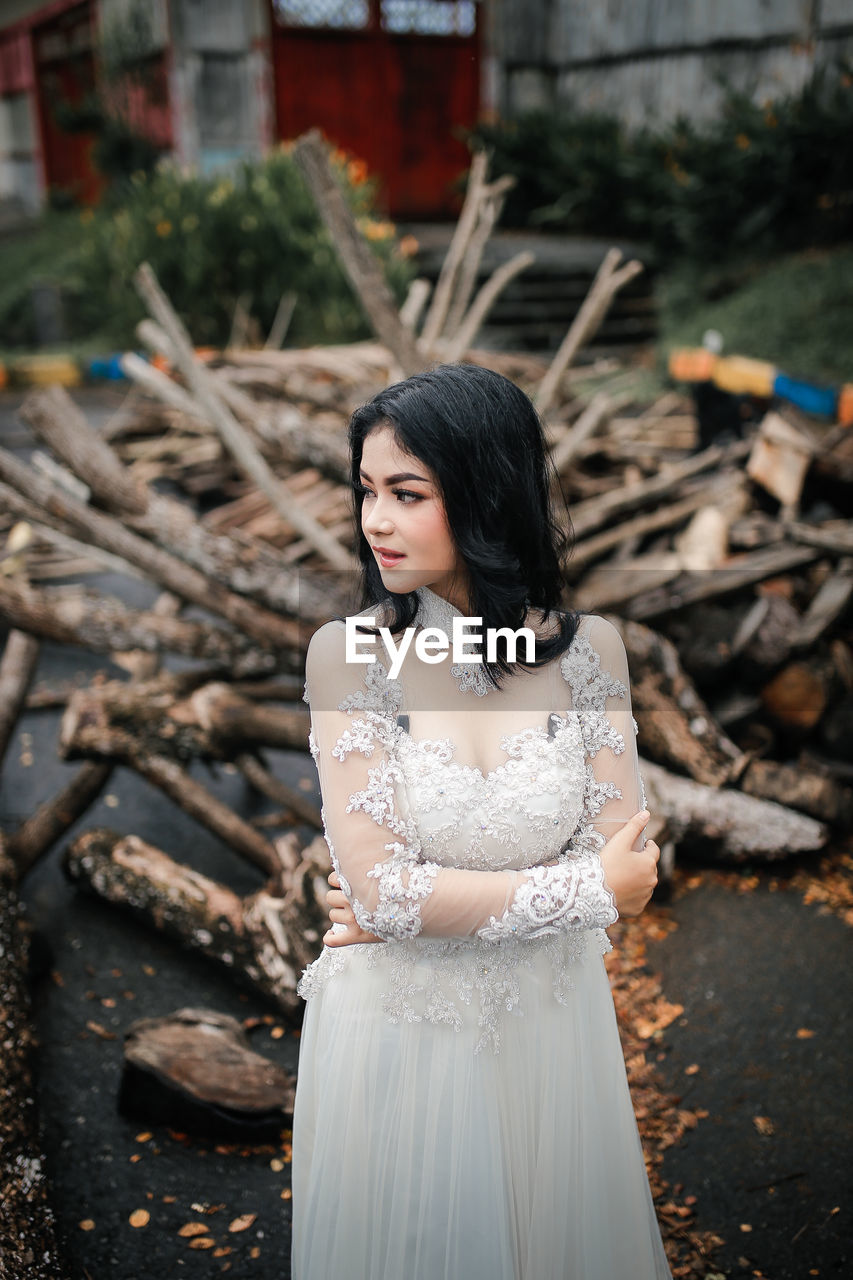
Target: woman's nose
{"points": [[378, 518]]}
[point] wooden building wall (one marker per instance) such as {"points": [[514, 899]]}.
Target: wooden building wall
{"points": [[648, 60]]}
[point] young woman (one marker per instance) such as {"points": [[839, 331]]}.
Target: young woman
{"points": [[462, 1110]]}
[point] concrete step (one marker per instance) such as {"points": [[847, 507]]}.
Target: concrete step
{"points": [[537, 307]]}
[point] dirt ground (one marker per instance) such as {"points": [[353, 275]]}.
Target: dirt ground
{"points": [[762, 1047]]}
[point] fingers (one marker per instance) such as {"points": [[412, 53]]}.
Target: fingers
{"points": [[651, 848], [333, 879]]}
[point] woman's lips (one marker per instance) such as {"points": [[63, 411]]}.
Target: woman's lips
{"points": [[388, 558]]}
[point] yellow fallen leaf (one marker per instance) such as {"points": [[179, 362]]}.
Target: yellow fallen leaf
{"points": [[764, 1125], [287, 1194], [745, 1227], [221, 1251], [87, 1224], [202, 1242], [139, 1218], [803, 1033], [193, 1229], [692, 1070], [144, 1137], [243, 1222]]}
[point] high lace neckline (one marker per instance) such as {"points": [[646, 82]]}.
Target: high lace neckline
{"points": [[435, 611]]}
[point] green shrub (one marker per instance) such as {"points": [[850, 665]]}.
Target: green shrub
{"points": [[760, 179], [210, 240]]}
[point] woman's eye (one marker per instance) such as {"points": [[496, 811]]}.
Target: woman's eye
{"points": [[406, 497], [364, 491]]}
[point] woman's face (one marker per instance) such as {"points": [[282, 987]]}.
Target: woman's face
{"points": [[404, 521]]}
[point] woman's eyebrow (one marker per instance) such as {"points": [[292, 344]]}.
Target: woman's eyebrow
{"points": [[401, 475]]}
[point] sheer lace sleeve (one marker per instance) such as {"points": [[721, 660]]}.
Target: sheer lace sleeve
{"points": [[394, 891], [596, 668]]}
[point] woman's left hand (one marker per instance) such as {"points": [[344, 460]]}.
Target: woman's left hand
{"points": [[340, 912]]}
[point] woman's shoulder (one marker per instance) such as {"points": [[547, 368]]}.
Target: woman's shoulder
{"points": [[330, 640]]}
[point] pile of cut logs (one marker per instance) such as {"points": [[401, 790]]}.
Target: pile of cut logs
{"points": [[729, 571]]}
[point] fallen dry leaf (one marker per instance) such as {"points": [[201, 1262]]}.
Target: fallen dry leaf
{"points": [[221, 1251], [764, 1125], [87, 1224], [193, 1229], [745, 1227], [243, 1222], [143, 1137], [692, 1070], [100, 1030], [803, 1033], [139, 1218], [202, 1242], [287, 1194]]}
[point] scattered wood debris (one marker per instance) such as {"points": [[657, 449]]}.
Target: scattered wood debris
{"points": [[224, 482]]}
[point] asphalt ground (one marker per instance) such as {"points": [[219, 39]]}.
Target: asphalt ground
{"points": [[752, 970]]}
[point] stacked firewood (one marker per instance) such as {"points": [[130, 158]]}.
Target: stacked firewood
{"points": [[729, 580]]}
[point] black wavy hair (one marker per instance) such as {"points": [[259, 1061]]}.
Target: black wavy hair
{"points": [[483, 440]]}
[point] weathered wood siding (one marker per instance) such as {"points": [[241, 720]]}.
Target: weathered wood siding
{"points": [[652, 60]]}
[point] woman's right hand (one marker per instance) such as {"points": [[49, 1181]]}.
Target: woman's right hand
{"points": [[631, 876]]}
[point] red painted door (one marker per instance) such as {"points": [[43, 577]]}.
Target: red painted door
{"points": [[65, 75], [390, 81]]}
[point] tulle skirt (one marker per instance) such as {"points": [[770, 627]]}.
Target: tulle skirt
{"points": [[415, 1158]]}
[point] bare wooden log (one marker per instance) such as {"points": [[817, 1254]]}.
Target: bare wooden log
{"points": [[465, 226], [749, 568], [416, 300], [241, 563], [196, 1069], [730, 826], [236, 440], [208, 722], [835, 536], [594, 548], [599, 410], [609, 279], [483, 303], [262, 624], [281, 320], [112, 744], [779, 459], [104, 624], [56, 419], [28, 1237], [489, 211], [828, 604], [51, 820], [799, 786], [159, 385], [357, 258], [17, 668], [678, 728], [679, 731], [592, 514], [265, 782], [266, 939]]}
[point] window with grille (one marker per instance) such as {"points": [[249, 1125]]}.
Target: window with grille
{"points": [[342, 15], [429, 17]]}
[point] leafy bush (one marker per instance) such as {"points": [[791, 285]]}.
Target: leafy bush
{"points": [[760, 179], [210, 240]]}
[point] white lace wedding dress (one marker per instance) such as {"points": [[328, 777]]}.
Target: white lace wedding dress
{"points": [[462, 1110]]}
